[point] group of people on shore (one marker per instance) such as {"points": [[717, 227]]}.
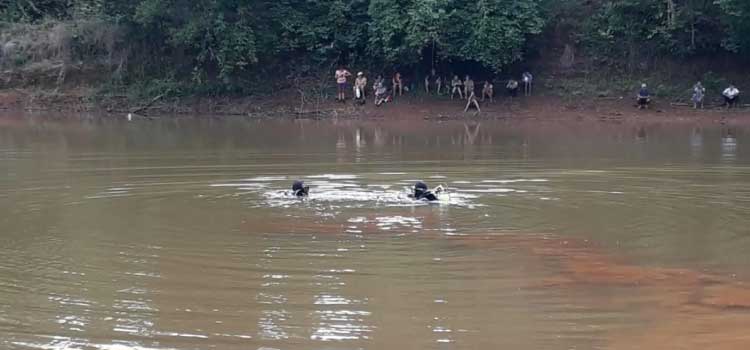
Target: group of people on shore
{"points": [[464, 88], [731, 96], [379, 89]]}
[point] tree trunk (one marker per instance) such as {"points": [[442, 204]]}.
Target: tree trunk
{"points": [[568, 57], [671, 9]]}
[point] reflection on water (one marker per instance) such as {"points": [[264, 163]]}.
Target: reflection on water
{"points": [[728, 145], [180, 234], [696, 142]]}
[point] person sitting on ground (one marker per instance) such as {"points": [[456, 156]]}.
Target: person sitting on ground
{"points": [[644, 97], [731, 96], [341, 76], [488, 91], [456, 86], [381, 93], [699, 93], [472, 100], [468, 86], [398, 84], [527, 79], [512, 87], [378, 80], [422, 193], [299, 189], [360, 85]]}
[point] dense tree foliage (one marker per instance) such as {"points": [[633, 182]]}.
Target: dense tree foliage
{"points": [[490, 32], [625, 31], [227, 42], [737, 18], [219, 40]]}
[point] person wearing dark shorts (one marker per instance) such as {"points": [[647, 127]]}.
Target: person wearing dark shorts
{"points": [[644, 97]]}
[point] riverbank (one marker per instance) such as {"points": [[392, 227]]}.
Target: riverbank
{"points": [[290, 105]]}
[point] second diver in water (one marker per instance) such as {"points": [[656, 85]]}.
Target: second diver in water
{"points": [[421, 192], [299, 189]]}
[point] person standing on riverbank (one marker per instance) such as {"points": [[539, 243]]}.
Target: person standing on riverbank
{"points": [[438, 85], [456, 86], [488, 90], [731, 96], [468, 86], [472, 100], [341, 76], [512, 87], [527, 79], [360, 85], [644, 97], [699, 93], [398, 84], [431, 77]]}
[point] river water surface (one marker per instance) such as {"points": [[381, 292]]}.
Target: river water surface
{"points": [[178, 234]]}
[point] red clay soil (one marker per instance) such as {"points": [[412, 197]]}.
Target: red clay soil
{"points": [[690, 309]]}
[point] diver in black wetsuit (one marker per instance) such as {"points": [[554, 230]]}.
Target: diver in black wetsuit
{"points": [[421, 192], [299, 189]]}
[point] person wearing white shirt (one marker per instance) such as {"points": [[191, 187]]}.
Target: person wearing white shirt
{"points": [[731, 96]]}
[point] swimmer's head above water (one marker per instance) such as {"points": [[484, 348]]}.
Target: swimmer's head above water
{"points": [[299, 189], [422, 192], [420, 188]]}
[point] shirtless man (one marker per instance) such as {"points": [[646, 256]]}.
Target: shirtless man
{"points": [[398, 85], [472, 100], [488, 91], [438, 84], [468, 86], [456, 86], [341, 77]]}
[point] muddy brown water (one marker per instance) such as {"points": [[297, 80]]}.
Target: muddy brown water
{"points": [[177, 234]]}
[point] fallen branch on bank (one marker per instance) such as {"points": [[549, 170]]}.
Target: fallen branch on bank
{"points": [[147, 105]]}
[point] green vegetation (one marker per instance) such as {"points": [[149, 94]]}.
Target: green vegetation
{"points": [[233, 46]]}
